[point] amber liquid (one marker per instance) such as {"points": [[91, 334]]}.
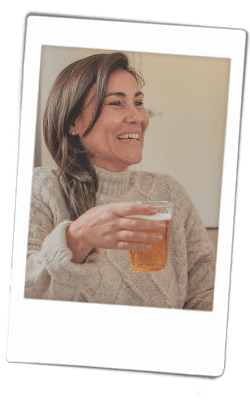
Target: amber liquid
{"points": [[154, 259]]}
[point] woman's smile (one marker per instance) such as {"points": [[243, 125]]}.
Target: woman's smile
{"points": [[116, 140], [128, 137]]}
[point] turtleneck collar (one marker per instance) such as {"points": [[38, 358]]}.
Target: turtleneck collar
{"points": [[112, 183]]}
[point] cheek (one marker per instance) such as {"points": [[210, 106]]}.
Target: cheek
{"points": [[116, 120], [109, 125], [88, 142]]}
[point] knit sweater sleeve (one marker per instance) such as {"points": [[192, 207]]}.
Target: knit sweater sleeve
{"points": [[50, 274], [201, 260]]}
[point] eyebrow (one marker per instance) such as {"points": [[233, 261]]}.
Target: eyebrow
{"points": [[122, 94]]}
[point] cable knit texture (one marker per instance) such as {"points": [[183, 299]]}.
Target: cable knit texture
{"points": [[186, 282]]}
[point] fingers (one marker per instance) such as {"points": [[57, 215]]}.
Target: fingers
{"points": [[133, 246], [131, 236], [112, 227], [139, 223], [126, 209]]}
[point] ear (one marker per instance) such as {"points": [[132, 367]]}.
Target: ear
{"points": [[77, 127]]}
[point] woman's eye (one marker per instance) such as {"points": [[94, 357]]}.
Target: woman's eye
{"points": [[138, 103], [118, 103], [115, 103]]}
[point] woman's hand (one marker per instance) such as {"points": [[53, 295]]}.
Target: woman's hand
{"points": [[107, 227]]}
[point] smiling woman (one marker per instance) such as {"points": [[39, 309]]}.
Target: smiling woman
{"points": [[94, 127], [80, 96], [116, 140]]}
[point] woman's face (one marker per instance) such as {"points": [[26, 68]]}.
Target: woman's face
{"points": [[116, 140]]}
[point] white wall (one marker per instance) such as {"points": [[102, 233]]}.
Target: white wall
{"points": [[187, 139]]}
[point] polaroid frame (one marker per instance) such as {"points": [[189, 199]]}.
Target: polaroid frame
{"points": [[123, 337]]}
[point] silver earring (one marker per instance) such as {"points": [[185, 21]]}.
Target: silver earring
{"points": [[73, 133]]}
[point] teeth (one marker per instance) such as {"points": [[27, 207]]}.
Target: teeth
{"points": [[129, 136]]}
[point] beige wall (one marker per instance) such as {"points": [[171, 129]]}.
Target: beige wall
{"points": [[186, 139], [53, 60]]}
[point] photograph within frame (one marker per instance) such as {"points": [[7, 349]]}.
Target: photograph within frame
{"points": [[193, 86]]}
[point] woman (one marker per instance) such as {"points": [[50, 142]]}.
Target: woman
{"points": [[94, 127]]}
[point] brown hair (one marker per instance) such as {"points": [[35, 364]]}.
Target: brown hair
{"points": [[64, 105]]}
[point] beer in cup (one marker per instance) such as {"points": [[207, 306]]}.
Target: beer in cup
{"points": [[154, 259]]}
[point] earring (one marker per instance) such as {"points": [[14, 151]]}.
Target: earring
{"points": [[73, 133]]}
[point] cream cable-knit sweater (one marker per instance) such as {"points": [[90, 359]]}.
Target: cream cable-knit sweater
{"points": [[186, 282]]}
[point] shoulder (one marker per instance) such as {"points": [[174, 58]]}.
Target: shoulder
{"points": [[46, 184], [158, 184], [45, 176]]}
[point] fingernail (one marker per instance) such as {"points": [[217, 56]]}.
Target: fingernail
{"points": [[153, 210], [158, 237], [147, 246], [161, 225]]}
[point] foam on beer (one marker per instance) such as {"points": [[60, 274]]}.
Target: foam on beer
{"points": [[157, 217]]}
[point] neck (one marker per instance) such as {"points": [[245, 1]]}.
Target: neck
{"points": [[115, 183], [103, 164]]}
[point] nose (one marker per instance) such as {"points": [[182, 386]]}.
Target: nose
{"points": [[134, 115]]}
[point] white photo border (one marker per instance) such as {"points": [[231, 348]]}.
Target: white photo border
{"points": [[123, 337]]}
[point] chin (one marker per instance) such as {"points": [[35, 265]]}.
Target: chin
{"points": [[136, 162]]}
